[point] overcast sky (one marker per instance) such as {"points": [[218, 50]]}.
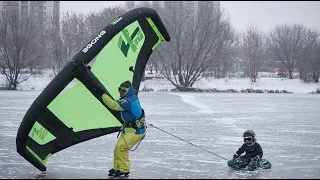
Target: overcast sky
{"points": [[263, 14]]}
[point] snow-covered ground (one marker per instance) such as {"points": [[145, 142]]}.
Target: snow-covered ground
{"points": [[291, 85], [287, 128], [39, 82]]}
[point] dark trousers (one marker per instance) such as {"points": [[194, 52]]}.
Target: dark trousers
{"points": [[242, 162]]}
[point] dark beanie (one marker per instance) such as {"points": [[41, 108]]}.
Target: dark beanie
{"points": [[126, 84], [249, 133]]}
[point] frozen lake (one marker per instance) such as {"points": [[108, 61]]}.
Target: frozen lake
{"points": [[287, 128]]}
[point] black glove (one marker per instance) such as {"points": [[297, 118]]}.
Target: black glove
{"points": [[256, 159], [235, 156]]}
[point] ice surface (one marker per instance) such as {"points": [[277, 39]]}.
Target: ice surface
{"points": [[287, 128]]}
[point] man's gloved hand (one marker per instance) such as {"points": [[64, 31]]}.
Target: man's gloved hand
{"points": [[256, 159], [235, 156]]}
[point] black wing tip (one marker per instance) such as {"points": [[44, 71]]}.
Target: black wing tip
{"points": [[155, 17], [36, 163]]}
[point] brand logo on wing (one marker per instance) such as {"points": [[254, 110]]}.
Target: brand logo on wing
{"points": [[116, 21], [41, 133], [132, 40], [93, 41]]}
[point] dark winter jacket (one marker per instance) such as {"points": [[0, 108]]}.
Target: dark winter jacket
{"points": [[251, 151]]}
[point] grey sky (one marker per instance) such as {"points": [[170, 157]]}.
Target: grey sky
{"points": [[263, 14]]}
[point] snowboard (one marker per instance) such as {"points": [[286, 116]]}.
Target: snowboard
{"points": [[263, 164]]}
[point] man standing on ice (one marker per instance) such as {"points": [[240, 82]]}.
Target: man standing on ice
{"points": [[133, 129]]}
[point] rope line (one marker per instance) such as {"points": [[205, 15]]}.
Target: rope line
{"points": [[186, 141]]}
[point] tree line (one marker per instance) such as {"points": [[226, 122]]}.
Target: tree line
{"points": [[201, 42]]}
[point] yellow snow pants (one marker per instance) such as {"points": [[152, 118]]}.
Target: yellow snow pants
{"points": [[121, 152]]}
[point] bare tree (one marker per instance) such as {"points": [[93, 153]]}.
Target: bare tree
{"points": [[143, 4], [197, 41], [229, 49], [73, 34], [129, 5], [155, 5], [77, 29], [153, 63], [50, 40], [95, 22], [252, 48], [315, 60], [309, 66], [20, 48], [288, 43]]}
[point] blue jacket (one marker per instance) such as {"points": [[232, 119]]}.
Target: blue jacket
{"points": [[131, 108]]}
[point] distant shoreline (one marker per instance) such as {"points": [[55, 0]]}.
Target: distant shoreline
{"points": [[264, 84], [214, 90], [211, 90]]}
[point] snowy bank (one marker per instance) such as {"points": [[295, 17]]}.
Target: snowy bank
{"points": [[224, 85], [238, 85]]}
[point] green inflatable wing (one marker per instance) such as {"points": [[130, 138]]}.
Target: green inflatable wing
{"points": [[69, 110]]}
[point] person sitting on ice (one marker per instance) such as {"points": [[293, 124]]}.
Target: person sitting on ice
{"points": [[253, 155]]}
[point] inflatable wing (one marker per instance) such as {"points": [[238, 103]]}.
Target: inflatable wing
{"points": [[69, 110]]}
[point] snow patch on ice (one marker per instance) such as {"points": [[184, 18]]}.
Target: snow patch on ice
{"points": [[193, 102]]}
